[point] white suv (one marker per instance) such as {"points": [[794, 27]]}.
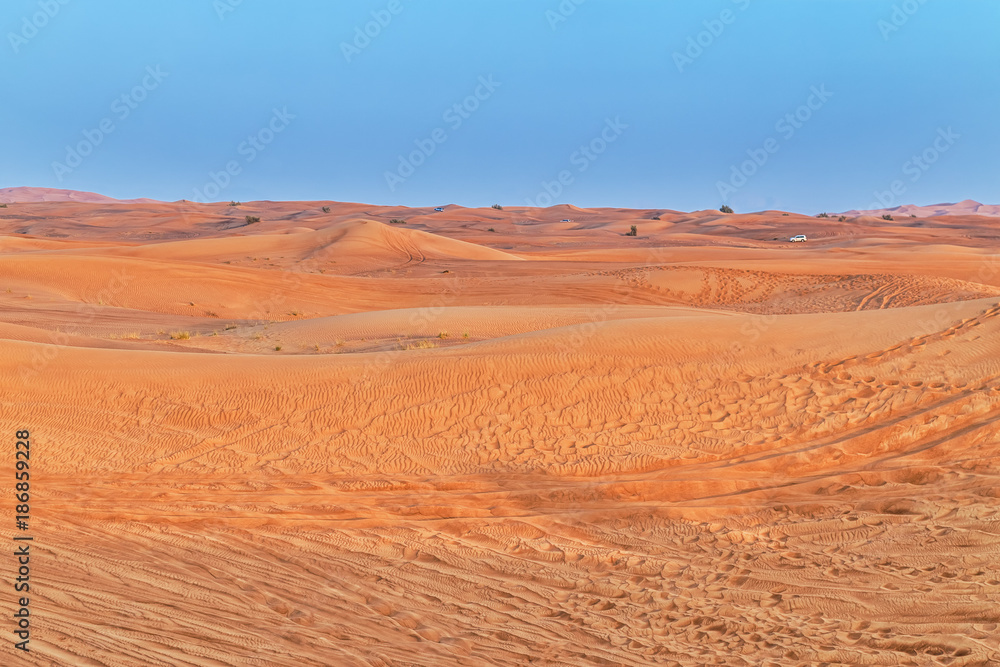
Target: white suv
{"points": [[801, 238]]}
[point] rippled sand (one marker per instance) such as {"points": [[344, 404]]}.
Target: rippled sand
{"points": [[325, 439]]}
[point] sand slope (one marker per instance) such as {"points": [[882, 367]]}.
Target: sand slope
{"points": [[703, 450]]}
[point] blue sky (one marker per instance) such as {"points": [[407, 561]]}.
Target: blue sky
{"points": [[591, 102]]}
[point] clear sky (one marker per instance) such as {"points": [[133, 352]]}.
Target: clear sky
{"points": [[592, 102]]}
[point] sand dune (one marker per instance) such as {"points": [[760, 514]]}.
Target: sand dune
{"points": [[353, 246], [966, 207], [32, 195], [325, 439]]}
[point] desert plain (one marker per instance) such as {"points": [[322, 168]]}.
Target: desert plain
{"points": [[321, 433]]}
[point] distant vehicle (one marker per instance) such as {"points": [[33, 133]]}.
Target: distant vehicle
{"points": [[438, 209], [801, 238], [566, 220]]}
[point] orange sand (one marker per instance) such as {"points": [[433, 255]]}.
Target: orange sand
{"points": [[322, 439]]}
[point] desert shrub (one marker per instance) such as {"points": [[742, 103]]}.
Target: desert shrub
{"points": [[397, 221], [326, 209], [277, 348], [491, 230], [725, 208], [234, 203], [180, 335], [252, 219], [634, 231], [3, 205], [498, 207], [419, 345], [842, 218], [656, 217], [822, 215], [887, 217]]}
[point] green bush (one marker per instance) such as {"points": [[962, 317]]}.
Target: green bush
{"points": [[725, 208]]}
